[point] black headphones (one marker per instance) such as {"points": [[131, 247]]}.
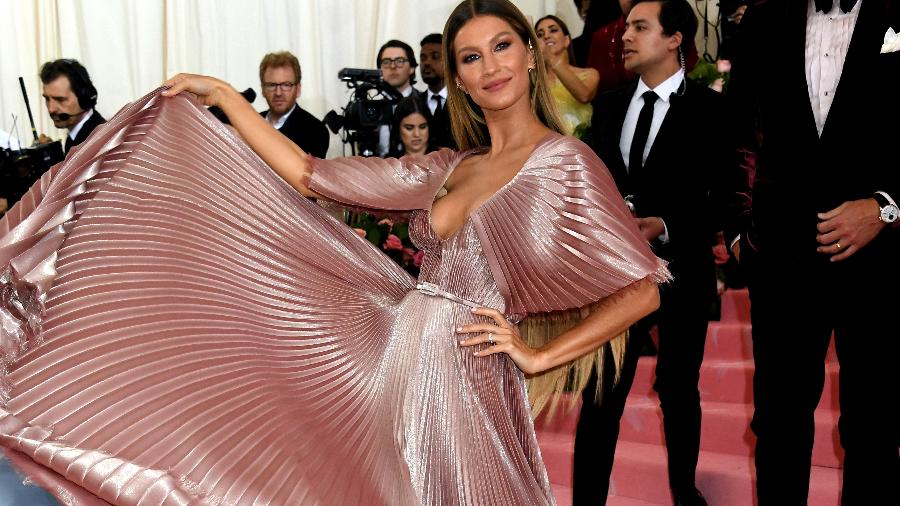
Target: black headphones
{"points": [[80, 82]]}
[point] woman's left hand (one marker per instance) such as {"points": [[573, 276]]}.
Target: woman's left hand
{"points": [[505, 338]]}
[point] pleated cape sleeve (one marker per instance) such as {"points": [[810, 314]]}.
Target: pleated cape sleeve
{"points": [[385, 184], [558, 236]]}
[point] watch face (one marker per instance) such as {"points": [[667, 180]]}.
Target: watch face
{"points": [[889, 213]]}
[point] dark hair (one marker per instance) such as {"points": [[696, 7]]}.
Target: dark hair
{"points": [[466, 117], [565, 30], [406, 106], [410, 55], [676, 16], [79, 80], [432, 38], [277, 60]]}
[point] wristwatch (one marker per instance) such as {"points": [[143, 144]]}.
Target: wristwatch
{"points": [[889, 210]]}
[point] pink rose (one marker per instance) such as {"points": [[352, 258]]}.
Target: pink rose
{"points": [[386, 221], [723, 66], [417, 258], [360, 232], [408, 253], [720, 253], [393, 242]]}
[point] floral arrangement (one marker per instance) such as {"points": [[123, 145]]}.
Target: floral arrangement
{"points": [[713, 74], [391, 237]]}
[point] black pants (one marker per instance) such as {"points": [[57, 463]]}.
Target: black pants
{"points": [[682, 321], [796, 305]]}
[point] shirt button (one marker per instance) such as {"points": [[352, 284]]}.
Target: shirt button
{"points": [[826, 54], [826, 93]]}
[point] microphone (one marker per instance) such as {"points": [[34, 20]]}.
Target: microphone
{"points": [[248, 94]]}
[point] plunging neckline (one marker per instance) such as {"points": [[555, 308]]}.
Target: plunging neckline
{"points": [[462, 156]]}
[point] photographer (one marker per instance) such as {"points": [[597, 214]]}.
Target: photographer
{"points": [[397, 62]]}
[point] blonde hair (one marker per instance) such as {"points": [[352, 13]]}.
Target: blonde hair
{"points": [[466, 117], [277, 60]]}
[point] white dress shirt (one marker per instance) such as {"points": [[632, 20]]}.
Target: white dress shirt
{"points": [[280, 123], [664, 91], [827, 41], [432, 103], [77, 128]]}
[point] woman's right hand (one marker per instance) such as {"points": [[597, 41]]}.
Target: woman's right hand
{"points": [[210, 91]]}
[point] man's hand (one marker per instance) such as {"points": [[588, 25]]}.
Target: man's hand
{"points": [[651, 227], [848, 228], [43, 139]]}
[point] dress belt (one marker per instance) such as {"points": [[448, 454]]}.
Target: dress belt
{"points": [[436, 291]]}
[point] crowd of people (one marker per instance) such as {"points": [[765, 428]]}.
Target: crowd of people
{"points": [[517, 217]]}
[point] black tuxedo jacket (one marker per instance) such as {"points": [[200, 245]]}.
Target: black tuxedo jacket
{"points": [[93, 122], [793, 172], [440, 126], [306, 131], [685, 175]]}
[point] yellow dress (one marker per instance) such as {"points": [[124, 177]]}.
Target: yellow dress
{"points": [[572, 112]]}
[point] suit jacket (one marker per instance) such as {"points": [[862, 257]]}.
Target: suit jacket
{"points": [[93, 122], [685, 176], [441, 134], [306, 131], [793, 172]]}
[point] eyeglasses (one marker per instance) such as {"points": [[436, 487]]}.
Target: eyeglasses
{"points": [[270, 87], [393, 62]]}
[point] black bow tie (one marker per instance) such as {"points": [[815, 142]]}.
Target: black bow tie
{"points": [[826, 5]]}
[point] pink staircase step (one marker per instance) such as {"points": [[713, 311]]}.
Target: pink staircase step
{"points": [[725, 429], [640, 473], [729, 341], [730, 381], [736, 306]]}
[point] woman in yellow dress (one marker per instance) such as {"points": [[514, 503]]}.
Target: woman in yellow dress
{"points": [[573, 87]]}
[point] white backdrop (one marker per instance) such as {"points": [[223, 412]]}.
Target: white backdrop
{"points": [[131, 46]]}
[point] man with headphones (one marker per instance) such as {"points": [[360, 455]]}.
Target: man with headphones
{"points": [[70, 97]]}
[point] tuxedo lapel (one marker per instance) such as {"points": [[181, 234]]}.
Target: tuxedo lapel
{"points": [[618, 120], [858, 66], [795, 63], [671, 122]]}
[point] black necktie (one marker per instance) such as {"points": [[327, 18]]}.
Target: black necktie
{"points": [[437, 108], [69, 142], [826, 5], [641, 131]]}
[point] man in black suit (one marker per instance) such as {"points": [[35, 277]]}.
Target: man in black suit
{"points": [[649, 134], [819, 238], [279, 77], [70, 97], [432, 70]]}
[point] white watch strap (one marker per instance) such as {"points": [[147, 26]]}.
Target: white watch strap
{"points": [[888, 197]]}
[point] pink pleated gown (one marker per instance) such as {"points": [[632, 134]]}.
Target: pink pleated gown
{"points": [[179, 326]]}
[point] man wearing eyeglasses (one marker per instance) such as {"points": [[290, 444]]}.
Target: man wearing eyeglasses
{"points": [[397, 62], [279, 76]]}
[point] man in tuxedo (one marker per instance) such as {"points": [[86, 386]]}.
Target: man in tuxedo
{"points": [[648, 134], [819, 238], [279, 77], [432, 70], [70, 97]]}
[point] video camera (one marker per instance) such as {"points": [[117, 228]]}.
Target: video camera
{"points": [[370, 106]]}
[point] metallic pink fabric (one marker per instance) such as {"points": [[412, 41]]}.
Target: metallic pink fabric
{"points": [[179, 326]]}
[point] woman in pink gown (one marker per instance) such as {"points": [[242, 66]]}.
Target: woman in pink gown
{"points": [[179, 326]]}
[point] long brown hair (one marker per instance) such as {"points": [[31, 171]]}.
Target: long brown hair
{"points": [[466, 117]]}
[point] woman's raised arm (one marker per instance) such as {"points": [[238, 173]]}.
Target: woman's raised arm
{"points": [[280, 153]]}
